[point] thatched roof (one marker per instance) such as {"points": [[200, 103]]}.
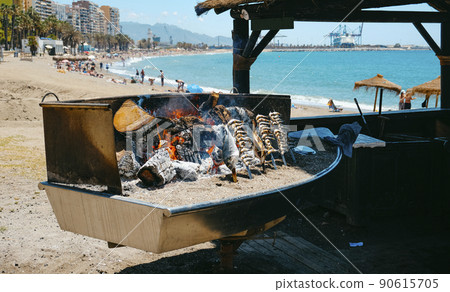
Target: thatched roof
{"points": [[378, 82], [223, 5], [429, 88], [70, 58]]}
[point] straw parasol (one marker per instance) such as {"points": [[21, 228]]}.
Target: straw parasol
{"points": [[380, 83], [428, 89]]}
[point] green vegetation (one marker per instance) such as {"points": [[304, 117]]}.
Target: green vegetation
{"points": [[3, 229], [16, 24]]}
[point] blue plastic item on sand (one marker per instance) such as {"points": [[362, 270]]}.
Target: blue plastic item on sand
{"points": [[194, 88], [304, 150], [356, 244]]}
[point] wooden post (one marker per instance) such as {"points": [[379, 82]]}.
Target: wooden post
{"points": [[381, 101], [241, 78], [375, 103], [445, 65]]}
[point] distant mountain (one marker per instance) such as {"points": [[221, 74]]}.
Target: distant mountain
{"points": [[138, 31]]}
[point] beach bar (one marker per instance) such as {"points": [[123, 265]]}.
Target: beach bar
{"points": [[409, 174], [81, 147]]}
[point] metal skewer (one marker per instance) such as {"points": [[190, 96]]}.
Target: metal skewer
{"points": [[293, 156], [284, 159], [273, 161], [249, 172]]}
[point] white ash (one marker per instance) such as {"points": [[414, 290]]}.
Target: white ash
{"points": [[187, 171]]}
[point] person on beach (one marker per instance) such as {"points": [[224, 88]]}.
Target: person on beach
{"points": [[401, 104], [180, 85], [107, 67], [101, 66], [162, 77], [137, 74], [408, 99], [142, 75]]}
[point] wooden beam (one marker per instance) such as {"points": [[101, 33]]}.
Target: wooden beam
{"points": [[339, 15], [428, 38], [273, 23], [241, 78], [440, 5], [263, 43], [445, 67], [384, 16], [251, 43]]}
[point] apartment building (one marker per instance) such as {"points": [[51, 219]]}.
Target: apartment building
{"points": [[43, 7], [85, 16], [112, 17], [60, 11]]}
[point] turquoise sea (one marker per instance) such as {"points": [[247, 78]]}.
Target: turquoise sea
{"points": [[311, 78]]}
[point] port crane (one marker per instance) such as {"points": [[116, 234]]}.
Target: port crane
{"points": [[341, 36]]}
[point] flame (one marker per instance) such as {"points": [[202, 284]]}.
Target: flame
{"points": [[172, 143], [178, 113], [211, 149]]}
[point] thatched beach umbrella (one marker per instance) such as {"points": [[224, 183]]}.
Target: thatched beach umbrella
{"points": [[380, 83], [428, 89]]}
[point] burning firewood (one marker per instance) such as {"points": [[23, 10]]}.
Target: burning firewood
{"points": [[158, 170], [131, 117], [210, 103], [219, 115]]}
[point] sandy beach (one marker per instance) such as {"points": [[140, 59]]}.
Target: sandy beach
{"points": [[31, 241]]}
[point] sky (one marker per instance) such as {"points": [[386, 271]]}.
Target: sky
{"points": [[182, 14]]}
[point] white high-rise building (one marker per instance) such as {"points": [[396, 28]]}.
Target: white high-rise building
{"points": [[112, 19], [60, 11], [43, 7]]}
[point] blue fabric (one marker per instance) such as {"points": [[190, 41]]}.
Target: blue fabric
{"points": [[346, 138]]}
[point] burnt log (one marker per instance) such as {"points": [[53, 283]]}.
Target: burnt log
{"points": [[158, 170], [219, 114], [210, 103], [187, 171], [128, 166]]}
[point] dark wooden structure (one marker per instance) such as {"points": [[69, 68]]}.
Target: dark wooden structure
{"points": [[408, 175]]}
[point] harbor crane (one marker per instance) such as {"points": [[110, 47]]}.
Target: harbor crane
{"points": [[341, 37]]}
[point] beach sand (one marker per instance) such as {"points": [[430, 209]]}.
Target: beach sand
{"points": [[31, 240]]}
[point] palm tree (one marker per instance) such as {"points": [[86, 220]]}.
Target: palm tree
{"points": [[35, 21], [71, 37], [50, 25], [15, 12], [24, 25], [5, 12]]}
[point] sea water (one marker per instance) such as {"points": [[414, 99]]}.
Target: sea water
{"points": [[311, 78]]}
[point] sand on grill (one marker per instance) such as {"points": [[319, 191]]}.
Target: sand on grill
{"points": [[182, 193]]}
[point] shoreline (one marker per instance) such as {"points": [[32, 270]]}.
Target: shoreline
{"points": [[21, 93]]}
